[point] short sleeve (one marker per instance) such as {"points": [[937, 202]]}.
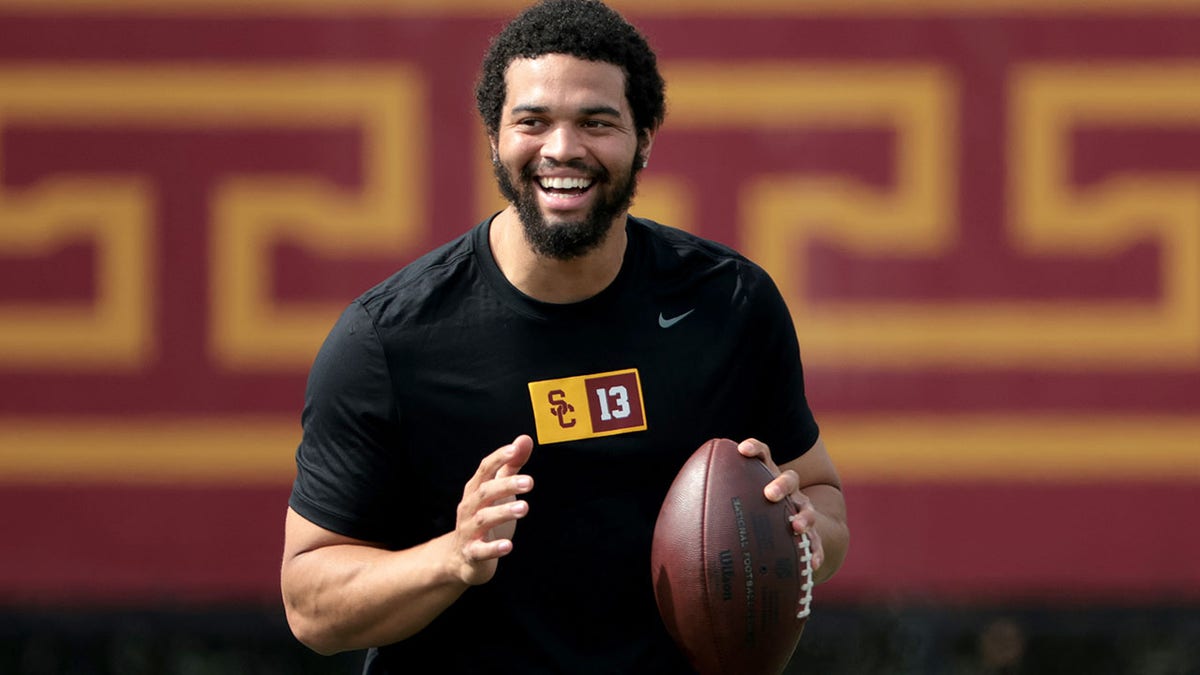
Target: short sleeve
{"points": [[789, 427], [349, 456]]}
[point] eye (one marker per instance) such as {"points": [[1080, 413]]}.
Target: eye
{"points": [[595, 124]]}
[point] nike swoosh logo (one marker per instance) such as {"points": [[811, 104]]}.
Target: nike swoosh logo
{"points": [[667, 323]]}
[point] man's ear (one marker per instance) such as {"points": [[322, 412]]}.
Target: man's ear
{"points": [[494, 143], [645, 143]]}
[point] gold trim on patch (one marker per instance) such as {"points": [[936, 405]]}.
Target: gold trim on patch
{"points": [[588, 406]]}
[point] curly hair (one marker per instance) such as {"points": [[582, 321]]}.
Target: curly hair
{"points": [[587, 29]]}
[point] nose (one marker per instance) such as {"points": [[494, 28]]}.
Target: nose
{"points": [[563, 144]]}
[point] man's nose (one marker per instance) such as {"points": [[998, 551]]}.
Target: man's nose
{"points": [[563, 144]]}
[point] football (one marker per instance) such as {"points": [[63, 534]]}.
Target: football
{"points": [[732, 580]]}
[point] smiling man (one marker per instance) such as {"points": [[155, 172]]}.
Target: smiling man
{"points": [[566, 152], [619, 344], [573, 150]]}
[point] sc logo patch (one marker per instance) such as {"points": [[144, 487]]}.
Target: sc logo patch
{"points": [[587, 406]]}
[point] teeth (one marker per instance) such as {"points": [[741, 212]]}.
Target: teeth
{"points": [[559, 183]]}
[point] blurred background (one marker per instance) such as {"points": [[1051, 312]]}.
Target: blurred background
{"points": [[985, 217]]}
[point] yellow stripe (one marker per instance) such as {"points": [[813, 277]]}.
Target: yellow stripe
{"points": [[635, 8], [1032, 447], [939, 448], [238, 450]]}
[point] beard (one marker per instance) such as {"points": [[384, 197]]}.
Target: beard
{"points": [[570, 239]]}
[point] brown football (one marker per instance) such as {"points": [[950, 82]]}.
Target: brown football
{"points": [[733, 582]]}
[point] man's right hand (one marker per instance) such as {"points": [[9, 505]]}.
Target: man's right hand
{"points": [[489, 511]]}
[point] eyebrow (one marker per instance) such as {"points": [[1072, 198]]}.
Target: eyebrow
{"points": [[587, 110], [601, 110]]}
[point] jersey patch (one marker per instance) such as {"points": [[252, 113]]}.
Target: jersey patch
{"points": [[588, 406]]}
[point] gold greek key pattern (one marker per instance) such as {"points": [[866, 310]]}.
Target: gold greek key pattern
{"points": [[252, 330], [914, 218], [249, 329], [778, 212], [115, 330], [112, 213], [1051, 216]]}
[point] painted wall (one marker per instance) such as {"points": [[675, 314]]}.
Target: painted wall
{"points": [[984, 216]]}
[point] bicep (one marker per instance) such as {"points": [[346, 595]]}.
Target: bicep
{"points": [[349, 454], [301, 535], [814, 467]]}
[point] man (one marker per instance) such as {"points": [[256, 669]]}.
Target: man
{"points": [[620, 344]]}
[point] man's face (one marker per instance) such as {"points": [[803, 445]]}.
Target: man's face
{"points": [[567, 151]]}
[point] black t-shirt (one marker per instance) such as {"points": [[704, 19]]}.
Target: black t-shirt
{"points": [[445, 361]]}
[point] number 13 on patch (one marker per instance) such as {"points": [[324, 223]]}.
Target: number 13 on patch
{"points": [[588, 406]]}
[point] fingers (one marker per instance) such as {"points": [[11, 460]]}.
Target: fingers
{"points": [[752, 447], [804, 522], [478, 551], [499, 489], [488, 498], [516, 454], [816, 548], [485, 536], [482, 543], [489, 510], [506, 460], [786, 485]]}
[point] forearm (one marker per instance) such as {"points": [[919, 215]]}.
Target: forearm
{"points": [[830, 507], [344, 597]]}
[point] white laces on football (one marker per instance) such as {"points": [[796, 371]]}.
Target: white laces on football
{"points": [[807, 587]]}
